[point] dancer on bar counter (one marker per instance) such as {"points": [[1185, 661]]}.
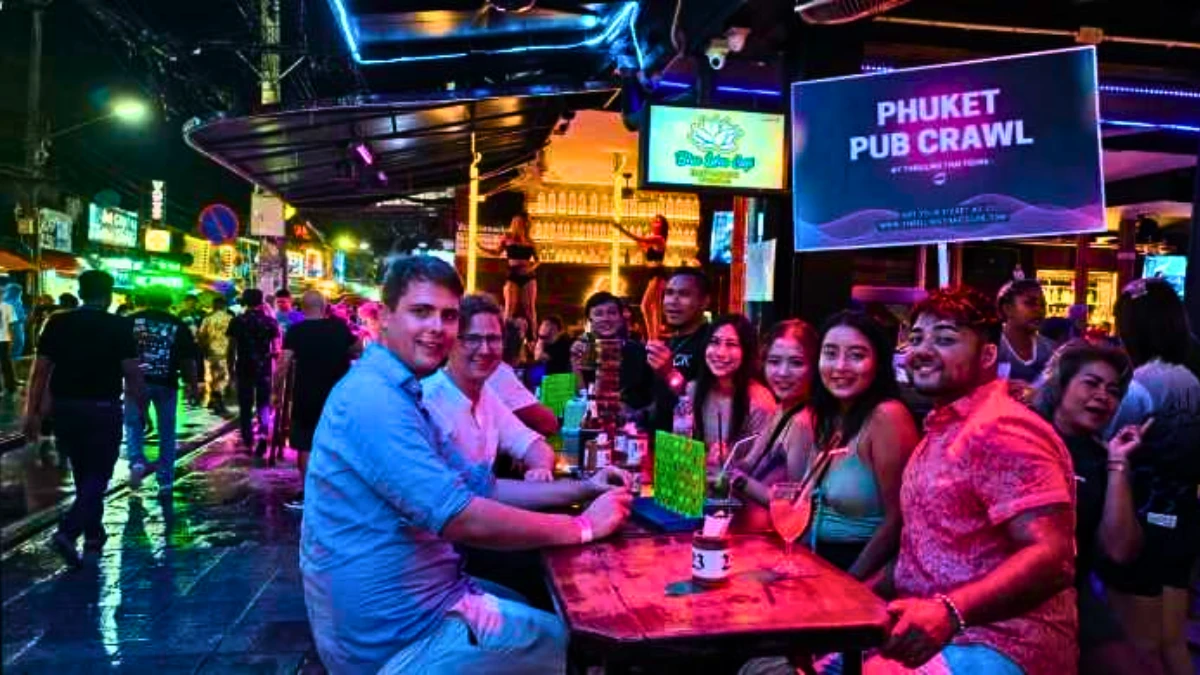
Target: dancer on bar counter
{"points": [[520, 288], [655, 248]]}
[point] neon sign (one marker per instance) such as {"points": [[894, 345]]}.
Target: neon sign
{"points": [[158, 197], [709, 148]]}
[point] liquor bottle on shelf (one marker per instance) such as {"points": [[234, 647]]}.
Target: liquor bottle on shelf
{"points": [[539, 205], [605, 206], [594, 204]]}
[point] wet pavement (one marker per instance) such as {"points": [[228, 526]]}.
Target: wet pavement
{"points": [[36, 478], [207, 581]]}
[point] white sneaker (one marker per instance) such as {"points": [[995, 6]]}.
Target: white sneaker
{"points": [[136, 473]]}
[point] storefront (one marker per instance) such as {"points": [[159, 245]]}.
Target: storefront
{"points": [[572, 211], [220, 268]]}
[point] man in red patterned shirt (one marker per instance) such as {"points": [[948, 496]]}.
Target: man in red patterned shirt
{"points": [[984, 576]]}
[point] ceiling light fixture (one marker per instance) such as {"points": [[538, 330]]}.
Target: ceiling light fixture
{"points": [[365, 153]]}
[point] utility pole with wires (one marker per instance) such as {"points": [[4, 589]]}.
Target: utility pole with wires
{"points": [[36, 152]]}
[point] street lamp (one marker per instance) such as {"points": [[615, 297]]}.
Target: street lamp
{"points": [[127, 110], [131, 110]]}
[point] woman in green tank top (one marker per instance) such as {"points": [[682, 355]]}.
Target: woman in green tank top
{"points": [[856, 418]]}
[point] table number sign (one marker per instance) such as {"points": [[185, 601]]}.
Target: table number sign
{"points": [[679, 481]]}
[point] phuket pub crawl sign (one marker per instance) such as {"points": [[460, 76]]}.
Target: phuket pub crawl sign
{"points": [[1004, 147]]}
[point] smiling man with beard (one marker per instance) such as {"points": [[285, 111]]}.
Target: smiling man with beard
{"points": [[984, 576], [388, 497]]}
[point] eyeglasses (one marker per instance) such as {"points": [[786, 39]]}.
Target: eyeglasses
{"points": [[474, 341]]}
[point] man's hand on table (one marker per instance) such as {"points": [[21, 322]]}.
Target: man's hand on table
{"points": [[608, 479], [921, 628], [608, 512], [539, 476]]}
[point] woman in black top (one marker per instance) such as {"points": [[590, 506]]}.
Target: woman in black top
{"points": [[1083, 386], [655, 247], [520, 287]]}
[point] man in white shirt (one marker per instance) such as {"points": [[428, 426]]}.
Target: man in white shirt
{"points": [[515, 396], [472, 415]]}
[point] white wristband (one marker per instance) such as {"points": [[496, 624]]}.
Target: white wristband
{"points": [[585, 530]]}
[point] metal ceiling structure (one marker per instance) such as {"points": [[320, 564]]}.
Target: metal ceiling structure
{"points": [[361, 152], [428, 72]]}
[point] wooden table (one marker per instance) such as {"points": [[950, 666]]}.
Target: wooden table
{"points": [[630, 600]]}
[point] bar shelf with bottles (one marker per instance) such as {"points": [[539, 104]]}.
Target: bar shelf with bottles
{"points": [[1059, 287], [572, 224]]}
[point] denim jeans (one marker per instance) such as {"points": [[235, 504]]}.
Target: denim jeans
{"points": [[165, 400], [253, 393], [484, 633], [89, 433]]}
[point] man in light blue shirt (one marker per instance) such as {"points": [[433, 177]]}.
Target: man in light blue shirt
{"points": [[388, 498]]}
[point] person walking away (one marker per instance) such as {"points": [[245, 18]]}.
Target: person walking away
{"points": [[1023, 350], [165, 349], [214, 347], [388, 500], [319, 350], [85, 357], [8, 325], [1150, 594], [252, 336]]}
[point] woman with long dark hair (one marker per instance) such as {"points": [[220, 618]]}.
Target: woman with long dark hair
{"points": [[855, 438], [789, 363], [655, 248], [728, 402], [1079, 395], [1150, 594]]}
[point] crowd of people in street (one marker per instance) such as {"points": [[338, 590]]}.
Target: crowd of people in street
{"points": [[1025, 504]]}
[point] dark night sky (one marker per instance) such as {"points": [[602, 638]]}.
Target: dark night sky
{"points": [[82, 69]]}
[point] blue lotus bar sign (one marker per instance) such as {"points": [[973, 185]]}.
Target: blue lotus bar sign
{"points": [[1005, 147]]}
